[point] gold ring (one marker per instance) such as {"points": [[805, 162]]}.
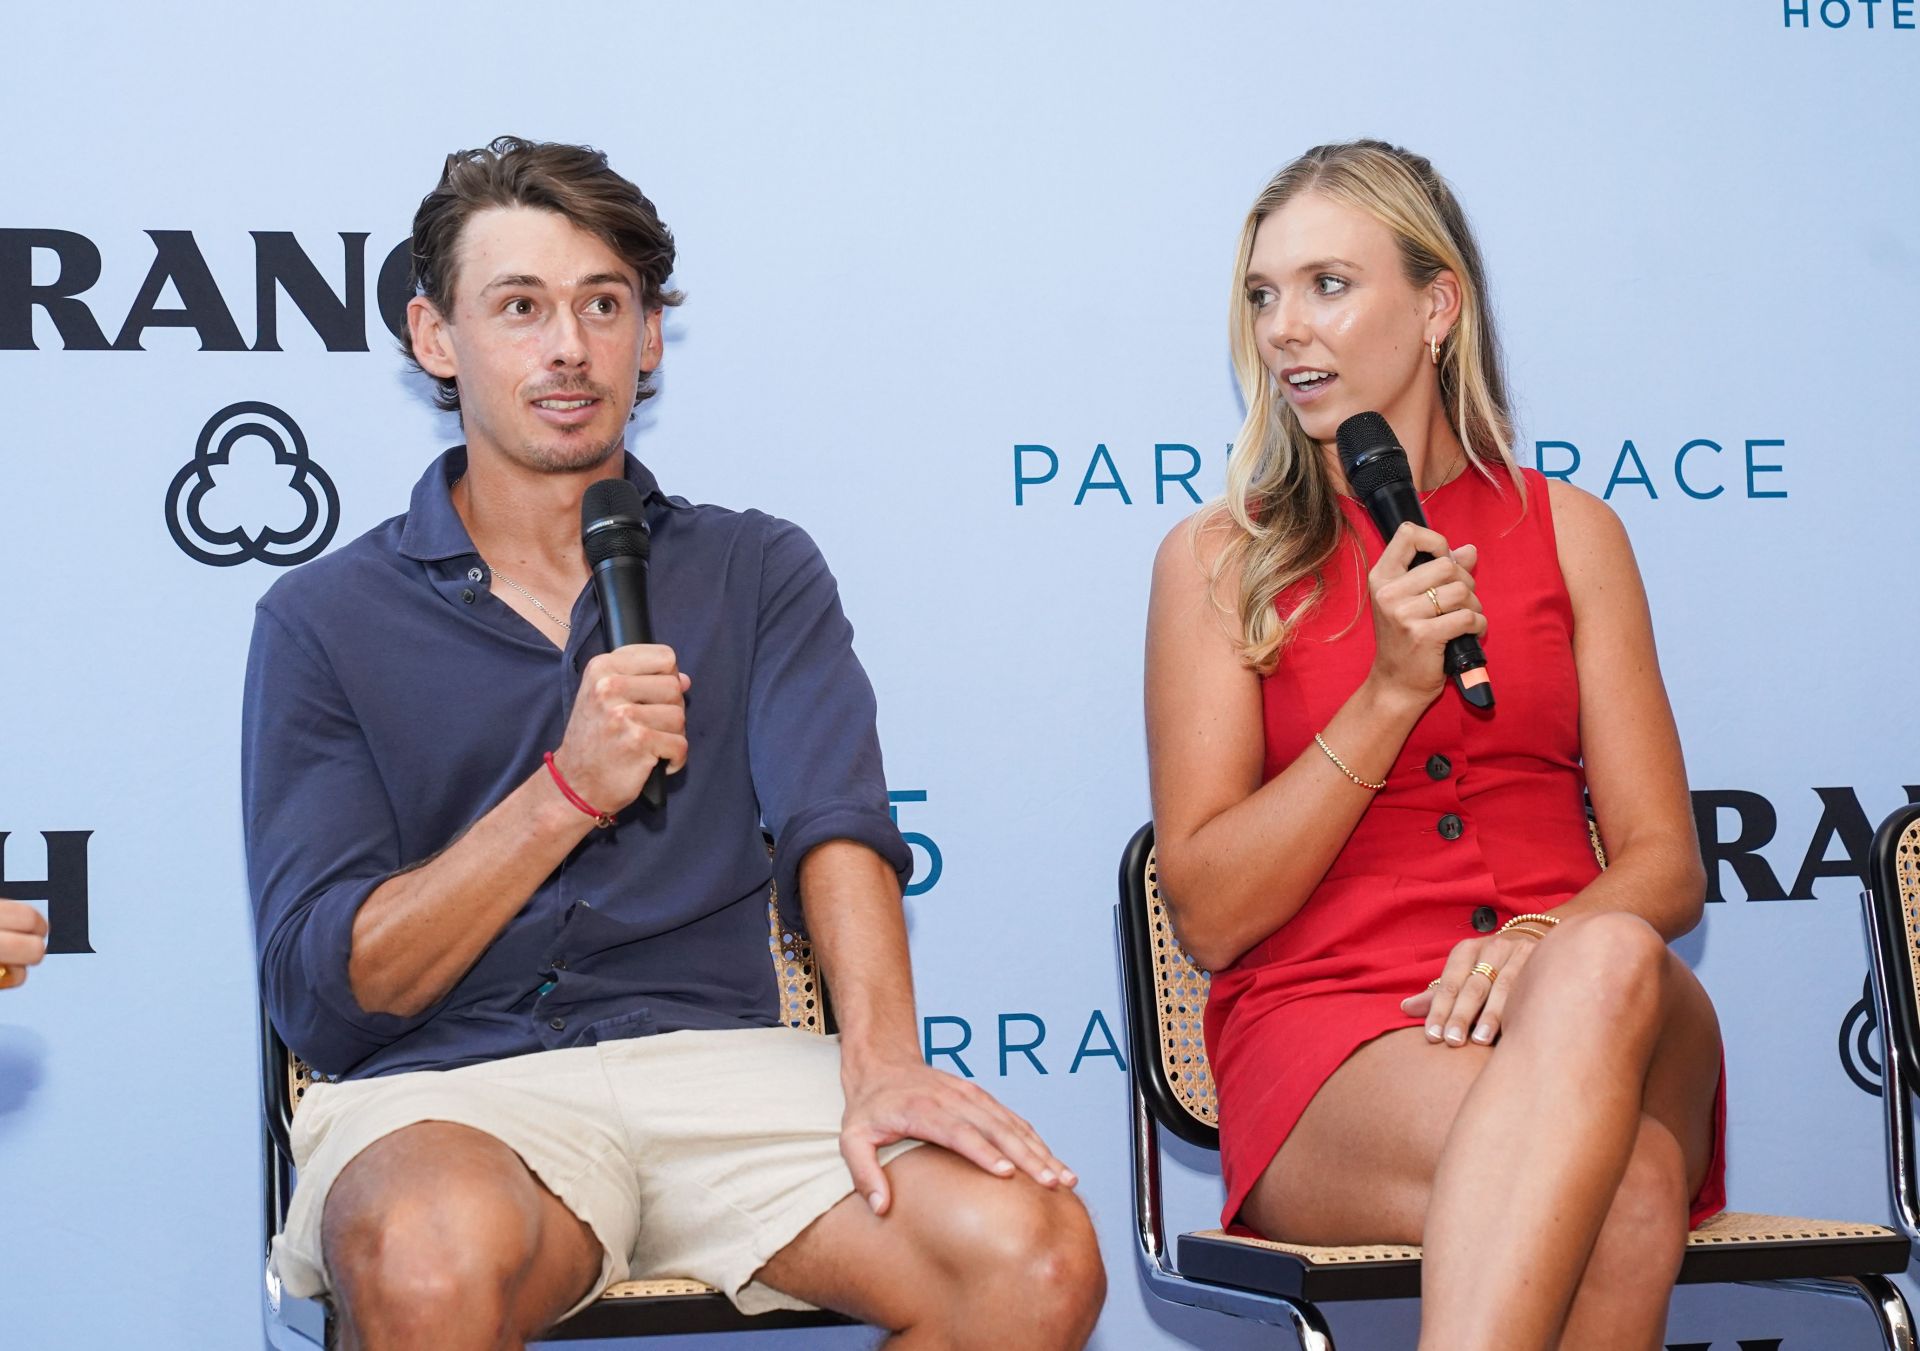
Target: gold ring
{"points": [[1485, 969], [1434, 984], [1436, 602]]}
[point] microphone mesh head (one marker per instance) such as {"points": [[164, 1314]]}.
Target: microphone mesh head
{"points": [[612, 522], [1376, 468], [1361, 433]]}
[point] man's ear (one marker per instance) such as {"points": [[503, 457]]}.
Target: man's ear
{"points": [[427, 329], [652, 345]]}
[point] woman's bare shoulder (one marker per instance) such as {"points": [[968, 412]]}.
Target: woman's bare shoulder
{"points": [[1586, 530], [1190, 552]]}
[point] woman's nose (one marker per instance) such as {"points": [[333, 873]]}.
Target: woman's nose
{"points": [[1286, 324]]}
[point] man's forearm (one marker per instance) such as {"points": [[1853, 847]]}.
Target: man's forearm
{"points": [[420, 931], [851, 897]]}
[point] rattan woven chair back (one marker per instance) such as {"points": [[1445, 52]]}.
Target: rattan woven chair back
{"points": [[794, 973], [1172, 1008], [1895, 872]]}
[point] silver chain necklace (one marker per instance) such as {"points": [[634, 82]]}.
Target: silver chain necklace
{"points": [[535, 599]]}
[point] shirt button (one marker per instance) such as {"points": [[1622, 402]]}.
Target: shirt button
{"points": [[1485, 920], [559, 963], [1450, 827], [1438, 767], [474, 574], [558, 1024], [466, 594]]}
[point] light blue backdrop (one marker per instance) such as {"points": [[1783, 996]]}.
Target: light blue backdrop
{"points": [[914, 238]]}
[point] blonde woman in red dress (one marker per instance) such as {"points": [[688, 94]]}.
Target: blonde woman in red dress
{"points": [[1434, 1018]]}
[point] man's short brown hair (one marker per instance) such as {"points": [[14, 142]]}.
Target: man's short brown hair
{"points": [[573, 180]]}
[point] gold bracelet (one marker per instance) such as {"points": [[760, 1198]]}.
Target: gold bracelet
{"points": [[1530, 919], [1341, 765], [1526, 929]]}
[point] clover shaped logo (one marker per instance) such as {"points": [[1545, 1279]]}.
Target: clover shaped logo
{"points": [[282, 548]]}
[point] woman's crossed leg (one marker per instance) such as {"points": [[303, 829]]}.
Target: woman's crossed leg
{"points": [[1547, 1175]]}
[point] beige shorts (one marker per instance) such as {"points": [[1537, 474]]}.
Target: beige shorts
{"points": [[689, 1154]]}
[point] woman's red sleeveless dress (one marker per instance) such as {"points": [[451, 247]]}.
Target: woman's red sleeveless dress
{"points": [[1483, 818]]}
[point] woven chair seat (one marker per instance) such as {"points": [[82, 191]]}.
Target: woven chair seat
{"points": [[656, 1289], [1732, 1246]]}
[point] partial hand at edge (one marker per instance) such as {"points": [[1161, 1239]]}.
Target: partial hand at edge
{"points": [[23, 941]]}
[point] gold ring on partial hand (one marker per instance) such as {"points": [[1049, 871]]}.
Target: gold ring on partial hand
{"points": [[1434, 984], [1485, 969], [1436, 602]]}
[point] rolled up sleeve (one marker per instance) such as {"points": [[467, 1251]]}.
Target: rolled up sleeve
{"points": [[811, 735], [320, 837]]}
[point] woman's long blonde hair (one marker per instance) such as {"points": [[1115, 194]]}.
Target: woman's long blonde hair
{"points": [[1280, 513]]}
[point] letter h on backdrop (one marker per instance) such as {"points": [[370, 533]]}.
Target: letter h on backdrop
{"points": [[64, 888]]}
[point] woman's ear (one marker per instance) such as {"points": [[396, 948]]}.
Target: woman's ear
{"points": [[1443, 301]]}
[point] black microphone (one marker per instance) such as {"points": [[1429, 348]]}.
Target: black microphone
{"points": [[1380, 477], [613, 532]]}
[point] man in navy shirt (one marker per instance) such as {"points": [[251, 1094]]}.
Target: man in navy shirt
{"points": [[549, 1010]]}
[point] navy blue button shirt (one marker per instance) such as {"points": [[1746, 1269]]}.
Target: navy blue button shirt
{"points": [[392, 700]]}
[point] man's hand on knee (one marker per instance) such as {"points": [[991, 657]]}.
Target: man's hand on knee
{"points": [[911, 1101]]}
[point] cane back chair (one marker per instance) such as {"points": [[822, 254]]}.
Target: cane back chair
{"points": [[1285, 1283], [629, 1309], [1892, 904]]}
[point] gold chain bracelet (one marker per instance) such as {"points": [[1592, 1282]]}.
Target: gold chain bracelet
{"points": [[1341, 765], [1548, 920]]}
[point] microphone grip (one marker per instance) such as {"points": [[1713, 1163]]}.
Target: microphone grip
{"points": [[1392, 501], [1462, 658], [655, 792], [621, 584]]}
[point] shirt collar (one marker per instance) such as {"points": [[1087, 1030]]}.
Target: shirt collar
{"points": [[434, 530]]}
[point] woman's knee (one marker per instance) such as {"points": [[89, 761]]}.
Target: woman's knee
{"points": [[1611, 969]]}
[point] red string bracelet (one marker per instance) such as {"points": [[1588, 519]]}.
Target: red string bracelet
{"points": [[600, 818]]}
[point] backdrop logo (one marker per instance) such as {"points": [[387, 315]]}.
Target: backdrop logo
{"points": [[219, 545], [1844, 13], [64, 888], [1734, 825], [69, 265], [1016, 1044], [922, 881], [1174, 466], [1860, 1042], [1699, 470]]}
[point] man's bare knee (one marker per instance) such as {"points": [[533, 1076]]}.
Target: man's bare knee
{"points": [[430, 1232], [1036, 1249]]}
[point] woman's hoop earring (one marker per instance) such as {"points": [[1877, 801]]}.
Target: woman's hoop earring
{"points": [[1433, 350]]}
